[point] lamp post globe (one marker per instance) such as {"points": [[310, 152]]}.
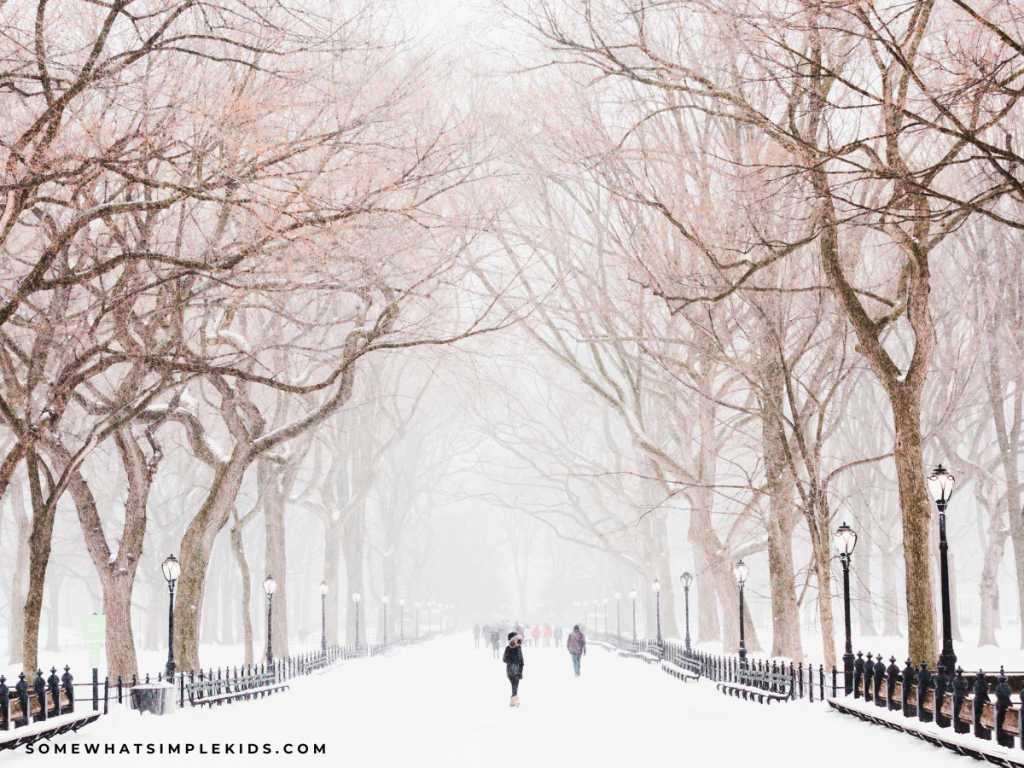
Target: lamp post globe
{"points": [[323, 616], [845, 540], [741, 571], [171, 569], [270, 587], [686, 579], [356, 597], [632, 597], [940, 484]]}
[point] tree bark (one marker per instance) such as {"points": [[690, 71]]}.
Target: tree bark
{"points": [[353, 539], [243, 569], [332, 556], [19, 585]]}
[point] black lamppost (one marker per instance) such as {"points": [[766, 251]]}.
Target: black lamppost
{"points": [[941, 486], [417, 607], [656, 586], [323, 616], [846, 540], [632, 596], [605, 603], [686, 579], [401, 621], [171, 568], [618, 617], [270, 586], [384, 600], [356, 597], [741, 572]]}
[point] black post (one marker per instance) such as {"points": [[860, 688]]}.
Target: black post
{"points": [[848, 656], [947, 658], [743, 645], [618, 619], [170, 633], [270, 624], [385, 623], [323, 623], [686, 596], [357, 625]]}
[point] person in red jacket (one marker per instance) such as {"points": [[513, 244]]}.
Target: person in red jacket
{"points": [[536, 635], [547, 635], [577, 645]]}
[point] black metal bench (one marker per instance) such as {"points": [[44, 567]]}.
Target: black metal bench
{"points": [[762, 686]]}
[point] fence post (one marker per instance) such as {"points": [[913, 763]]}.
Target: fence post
{"points": [[1003, 738], [120, 690], [858, 675], [909, 680], [978, 708], [21, 691], [39, 688], [53, 683], [106, 695], [941, 688], [5, 705], [892, 676], [835, 679], [959, 696], [68, 680], [95, 689], [924, 684]]}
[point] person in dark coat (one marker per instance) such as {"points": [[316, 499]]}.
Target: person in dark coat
{"points": [[577, 645], [476, 635], [514, 665], [495, 642]]}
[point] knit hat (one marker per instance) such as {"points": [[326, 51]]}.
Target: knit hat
{"points": [[512, 636]]}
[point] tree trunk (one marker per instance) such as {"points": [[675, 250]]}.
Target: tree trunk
{"points": [[353, 537], [709, 628], [40, 539], [19, 585], [196, 548], [332, 556], [274, 490], [53, 617], [243, 569]]}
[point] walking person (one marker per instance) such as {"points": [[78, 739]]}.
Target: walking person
{"points": [[495, 641], [536, 635], [547, 635], [558, 635], [514, 665], [476, 635], [577, 645]]}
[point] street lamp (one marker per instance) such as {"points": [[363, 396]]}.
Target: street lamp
{"points": [[171, 568], [356, 597], [686, 579], [618, 617], [401, 621], [417, 607], [741, 572], [632, 596], [846, 539], [270, 586], [323, 616], [657, 601], [605, 603], [385, 601], [941, 486]]}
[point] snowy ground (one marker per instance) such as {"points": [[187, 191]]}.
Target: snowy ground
{"points": [[446, 704]]}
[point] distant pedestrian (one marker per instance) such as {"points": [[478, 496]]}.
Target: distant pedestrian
{"points": [[536, 635], [577, 645], [495, 641], [514, 664], [476, 636], [558, 635], [547, 635]]}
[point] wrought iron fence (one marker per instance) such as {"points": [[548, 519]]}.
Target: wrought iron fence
{"points": [[46, 704]]}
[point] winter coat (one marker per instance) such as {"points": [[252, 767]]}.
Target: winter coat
{"points": [[514, 663], [547, 630], [495, 639], [576, 643]]}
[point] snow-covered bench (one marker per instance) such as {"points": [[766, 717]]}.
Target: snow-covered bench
{"points": [[46, 729], [40, 711], [678, 672], [763, 687]]}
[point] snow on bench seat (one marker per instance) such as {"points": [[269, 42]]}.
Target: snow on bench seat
{"points": [[46, 729]]}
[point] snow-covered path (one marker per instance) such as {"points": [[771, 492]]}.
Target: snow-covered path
{"points": [[446, 704]]}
